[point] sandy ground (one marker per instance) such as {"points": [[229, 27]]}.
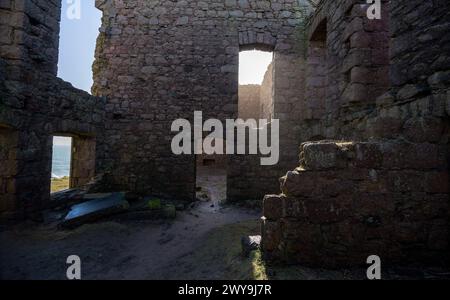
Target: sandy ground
{"points": [[131, 250], [201, 243], [125, 250]]}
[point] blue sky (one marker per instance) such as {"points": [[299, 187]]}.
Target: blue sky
{"points": [[77, 44], [77, 48]]}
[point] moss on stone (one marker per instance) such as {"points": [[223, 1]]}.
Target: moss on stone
{"points": [[154, 204]]}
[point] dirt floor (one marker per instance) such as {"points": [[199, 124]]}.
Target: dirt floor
{"points": [[203, 242], [126, 249]]}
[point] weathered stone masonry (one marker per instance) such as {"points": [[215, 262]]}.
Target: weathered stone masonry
{"points": [[34, 105], [249, 101], [386, 191], [158, 61], [374, 153], [256, 101]]}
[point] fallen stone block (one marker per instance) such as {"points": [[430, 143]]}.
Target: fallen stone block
{"points": [[99, 206], [326, 155]]}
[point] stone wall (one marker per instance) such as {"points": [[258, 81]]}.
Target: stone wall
{"points": [[348, 68], [350, 200], [266, 95], [29, 33], [249, 101], [34, 103], [384, 191], [388, 196], [256, 101], [8, 168], [158, 61], [83, 160]]}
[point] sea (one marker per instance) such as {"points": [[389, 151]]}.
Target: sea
{"points": [[61, 161]]}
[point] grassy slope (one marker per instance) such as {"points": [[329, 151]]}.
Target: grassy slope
{"points": [[59, 184]]}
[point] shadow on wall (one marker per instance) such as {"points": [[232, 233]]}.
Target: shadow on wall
{"points": [[8, 168]]}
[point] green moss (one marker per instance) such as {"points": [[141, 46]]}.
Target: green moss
{"points": [[154, 204]]}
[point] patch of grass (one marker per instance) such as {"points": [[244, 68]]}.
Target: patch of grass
{"points": [[259, 266], [60, 184]]}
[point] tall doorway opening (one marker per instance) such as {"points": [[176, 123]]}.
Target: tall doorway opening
{"points": [[255, 101], [61, 163], [255, 84]]}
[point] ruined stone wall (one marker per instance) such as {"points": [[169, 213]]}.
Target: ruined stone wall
{"points": [[249, 101], [83, 160], [266, 95], [29, 34], [158, 61], [416, 108], [348, 68], [8, 169], [34, 103], [348, 201], [256, 101], [416, 73], [388, 196]]}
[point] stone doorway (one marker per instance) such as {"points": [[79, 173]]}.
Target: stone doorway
{"points": [[211, 178], [61, 163], [255, 83], [73, 161]]}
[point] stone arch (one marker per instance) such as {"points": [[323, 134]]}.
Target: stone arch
{"points": [[250, 40], [317, 23]]}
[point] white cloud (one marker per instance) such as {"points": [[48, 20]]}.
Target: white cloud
{"points": [[62, 141]]}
